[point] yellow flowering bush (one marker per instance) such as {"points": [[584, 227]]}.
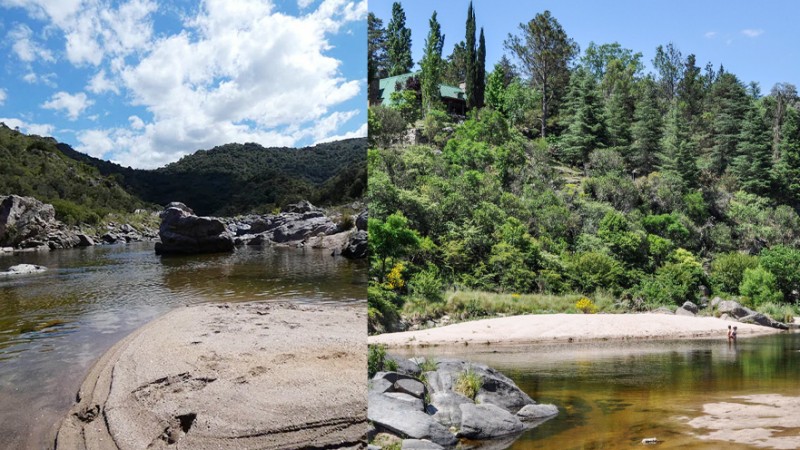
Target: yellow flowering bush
{"points": [[394, 280], [586, 306]]}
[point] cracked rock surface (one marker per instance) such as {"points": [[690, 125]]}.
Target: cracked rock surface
{"points": [[242, 375]]}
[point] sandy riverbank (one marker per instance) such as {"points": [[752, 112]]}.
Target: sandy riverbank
{"points": [[558, 328], [254, 375]]}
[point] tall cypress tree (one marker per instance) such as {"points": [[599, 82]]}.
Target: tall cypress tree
{"points": [[480, 72], [432, 65], [398, 43], [472, 76]]}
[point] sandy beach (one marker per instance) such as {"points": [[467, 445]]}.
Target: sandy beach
{"points": [[565, 328], [252, 375]]}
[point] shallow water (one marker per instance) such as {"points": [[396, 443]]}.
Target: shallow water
{"points": [[611, 396], [55, 324]]}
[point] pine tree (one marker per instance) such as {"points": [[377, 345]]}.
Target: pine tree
{"points": [[586, 130], [679, 152], [620, 104], [788, 167], [455, 71], [432, 66], [480, 69], [376, 53], [753, 164], [646, 132], [472, 67], [398, 43], [728, 104]]}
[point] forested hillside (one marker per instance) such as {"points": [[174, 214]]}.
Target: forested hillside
{"points": [[238, 178], [34, 166], [580, 173]]}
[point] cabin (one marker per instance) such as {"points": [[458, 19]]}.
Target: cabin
{"points": [[453, 98]]}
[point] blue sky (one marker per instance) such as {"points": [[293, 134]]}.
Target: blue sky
{"points": [[757, 42], [144, 82]]}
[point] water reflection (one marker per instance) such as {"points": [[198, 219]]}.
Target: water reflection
{"points": [[54, 324], [615, 395]]}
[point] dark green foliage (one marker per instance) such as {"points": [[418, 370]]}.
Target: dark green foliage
{"points": [[586, 128], [753, 163], [432, 66], [385, 125], [759, 286], [480, 71], [675, 282], [377, 58], [398, 43], [591, 271], [455, 71], [646, 132], [728, 103], [472, 61]]}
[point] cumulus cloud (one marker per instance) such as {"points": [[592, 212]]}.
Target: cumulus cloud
{"points": [[100, 84], [29, 128], [238, 71], [359, 133], [752, 32], [72, 104], [3, 96], [26, 48]]}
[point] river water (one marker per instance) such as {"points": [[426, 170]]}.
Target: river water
{"points": [[54, 325], [611, 396]]}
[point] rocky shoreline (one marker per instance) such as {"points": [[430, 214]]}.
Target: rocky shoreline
{"points": [[438, 403], [26, 224]]}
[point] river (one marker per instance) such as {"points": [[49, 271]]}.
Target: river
{"points": [[613, 395], [54, 325]]}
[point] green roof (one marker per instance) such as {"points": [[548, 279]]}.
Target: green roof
{"points": [[387, 85]]}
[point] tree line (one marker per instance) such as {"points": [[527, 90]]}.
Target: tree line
{"points": [[580, 172]]}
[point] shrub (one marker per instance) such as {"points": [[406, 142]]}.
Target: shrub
{"points": [[385, 125], [427, 285], [382, 309], [586, 306], [468, 383], [727, 271], [783, 261], [394, 280], [759, 286], [590, 271], [377, 361]]}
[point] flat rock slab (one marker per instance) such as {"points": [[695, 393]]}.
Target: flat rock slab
{"points": [[225, 376]]}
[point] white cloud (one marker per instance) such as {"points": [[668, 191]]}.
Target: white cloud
{"points": [[752, 32], [711, 34], [303, 4], [360, 132], [25, 47], [95, 143], [3, 96], [100, 84], [47, 79], [72, 104], [136, 122], [29, 128]]}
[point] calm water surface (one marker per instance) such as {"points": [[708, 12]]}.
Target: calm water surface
{"points": [[55, 324], [611, 396]]}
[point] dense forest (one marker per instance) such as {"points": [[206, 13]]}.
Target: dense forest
{"points": [[577, 174], [226, 180], [239, 178]]}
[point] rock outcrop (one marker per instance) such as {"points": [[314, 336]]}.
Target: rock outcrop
{"points": [[182, 232], [435, 412]]}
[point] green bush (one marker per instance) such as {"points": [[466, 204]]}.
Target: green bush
{"points": [[727, 271], [759, 286], [783, 262], [382, 309], [377, 361], [591, 271], [385, 125], [468, 383], [427, 285]]}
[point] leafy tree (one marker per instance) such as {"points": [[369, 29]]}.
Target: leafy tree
{"points": [[391, 238], [398, 42], [545, 52], [432, 66], [495, 88], [597, 58]]}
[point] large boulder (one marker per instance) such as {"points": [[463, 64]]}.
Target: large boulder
{"points": [[487, 421], [761, 319], [361, 220], [356, 246], [496, 388], [25, 222], [733, 309], [402, 419], [182, 232]]}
